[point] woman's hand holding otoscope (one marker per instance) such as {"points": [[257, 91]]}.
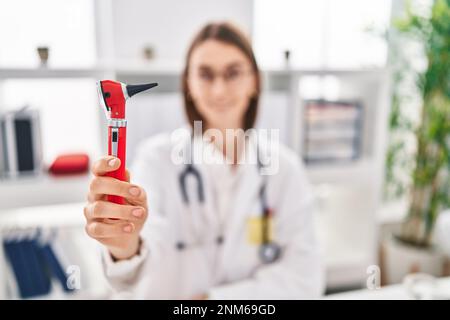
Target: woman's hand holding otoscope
{"points": [[116, 209]]}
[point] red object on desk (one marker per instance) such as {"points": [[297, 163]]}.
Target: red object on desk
{"points": [[70, 164]]}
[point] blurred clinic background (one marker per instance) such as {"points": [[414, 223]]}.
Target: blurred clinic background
{"points": [[358, 88]]}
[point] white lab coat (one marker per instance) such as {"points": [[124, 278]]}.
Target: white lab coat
{"points": [[232, 270]]}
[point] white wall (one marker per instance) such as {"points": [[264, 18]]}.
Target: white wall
{"points": [[170, 24]]}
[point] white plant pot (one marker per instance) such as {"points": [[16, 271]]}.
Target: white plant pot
{"points": [[400, 259]]}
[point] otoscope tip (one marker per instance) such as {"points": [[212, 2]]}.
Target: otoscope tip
{"points": [[133, 89]]}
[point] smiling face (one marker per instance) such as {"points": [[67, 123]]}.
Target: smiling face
{"points": [[221, 82]]}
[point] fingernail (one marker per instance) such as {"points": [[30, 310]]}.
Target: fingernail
{"points": [[128, 228], [134, 191], [112, 162], [138, 213]]}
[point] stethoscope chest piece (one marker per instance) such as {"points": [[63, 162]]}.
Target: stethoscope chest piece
{"points": [[269, 252]]}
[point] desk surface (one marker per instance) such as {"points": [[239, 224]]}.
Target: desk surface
{"points": [[392, 292]]}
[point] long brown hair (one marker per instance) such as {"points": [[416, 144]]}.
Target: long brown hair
{"points": [[227, 33]]}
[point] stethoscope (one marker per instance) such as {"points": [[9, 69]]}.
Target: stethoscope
{"points": [[269, 250]]}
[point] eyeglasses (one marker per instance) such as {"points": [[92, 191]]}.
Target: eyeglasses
{"points": [[231, 76]]}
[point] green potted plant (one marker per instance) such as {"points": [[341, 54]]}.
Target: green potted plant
{"points": [[429, 185]]}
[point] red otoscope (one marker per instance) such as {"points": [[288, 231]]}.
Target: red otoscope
{"points": [[112, 96]]}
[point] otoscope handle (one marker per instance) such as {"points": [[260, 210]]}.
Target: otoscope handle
{"points": [[117, 139]]}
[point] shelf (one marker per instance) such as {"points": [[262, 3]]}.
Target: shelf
{"points": [[324, 71], [36, 73], [133, 69], [155, 68], [393, 212], [42, 190], [60, 215], [346, 172]]}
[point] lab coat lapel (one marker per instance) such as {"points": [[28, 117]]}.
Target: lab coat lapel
{"points": [[205, 216], [198, 219], [209, 209], [210, 157], [243, 206]]}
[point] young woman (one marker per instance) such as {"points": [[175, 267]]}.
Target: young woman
{"points": [[227, 229]]}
